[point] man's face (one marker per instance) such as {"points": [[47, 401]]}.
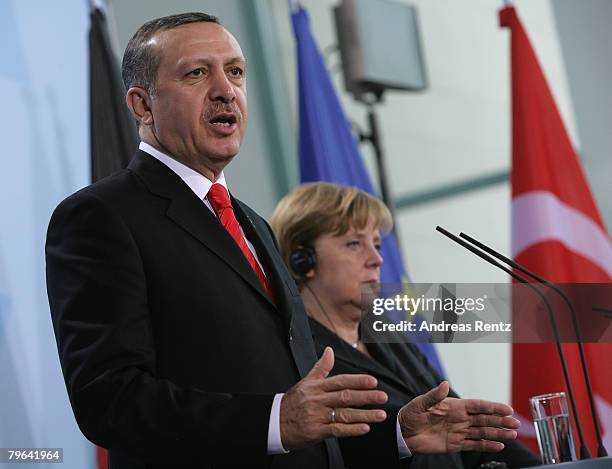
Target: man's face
{"points": [[199, 107]]}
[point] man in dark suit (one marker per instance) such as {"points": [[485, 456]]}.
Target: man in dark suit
{"points": [[182, 337]]}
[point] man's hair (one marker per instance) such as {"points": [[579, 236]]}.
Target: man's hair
{"points": [[318, 208], [140, 61]]}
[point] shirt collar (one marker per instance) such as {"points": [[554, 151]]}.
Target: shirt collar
{"points": [[198, 183]]}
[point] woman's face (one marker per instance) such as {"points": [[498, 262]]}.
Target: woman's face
{"points": [[347, 265]]}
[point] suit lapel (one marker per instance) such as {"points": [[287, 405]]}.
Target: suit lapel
{"points": [[355, 359], [399, 375], [259, 235], [370, 366], [189, 212], [400, 355]]}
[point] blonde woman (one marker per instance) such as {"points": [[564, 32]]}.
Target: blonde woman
{"points": [[330, 236]]}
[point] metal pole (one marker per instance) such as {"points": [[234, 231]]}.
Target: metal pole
{"points": [[374, 138]]}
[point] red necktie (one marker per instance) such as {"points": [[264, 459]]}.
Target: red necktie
{"points": [[220, 201]]}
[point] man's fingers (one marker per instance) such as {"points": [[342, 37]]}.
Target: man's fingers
{"points": [[359, 416], [483, 420], [490, 433], [340, 382], [480, 406], [341, 430], [434, 396], [510, 422], [324, 365], [482, 445], [353, 398]]}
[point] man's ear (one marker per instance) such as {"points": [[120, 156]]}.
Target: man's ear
{"points": [[138, 102]]}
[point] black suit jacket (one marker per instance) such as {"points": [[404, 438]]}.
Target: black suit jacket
{"points": [[403, 372], [170, 348]]}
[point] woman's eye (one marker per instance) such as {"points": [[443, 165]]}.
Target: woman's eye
{"points": [[353, 243], [377, 246]]}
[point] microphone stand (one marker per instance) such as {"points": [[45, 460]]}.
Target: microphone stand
{"points": [[601, 450], [584, 451]]}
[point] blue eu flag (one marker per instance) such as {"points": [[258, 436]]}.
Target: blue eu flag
{"points": [[327, 148]]}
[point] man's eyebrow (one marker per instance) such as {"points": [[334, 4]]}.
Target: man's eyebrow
{"points": [[239, 60]]}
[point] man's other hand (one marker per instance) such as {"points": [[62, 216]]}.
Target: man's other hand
{"points": [[434, 423], [318, 407]]}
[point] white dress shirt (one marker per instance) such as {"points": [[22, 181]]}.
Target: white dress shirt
{"points": [[200, 185]]}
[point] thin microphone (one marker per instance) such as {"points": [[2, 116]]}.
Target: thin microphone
{"points": [[584, 451], [601, 450]]}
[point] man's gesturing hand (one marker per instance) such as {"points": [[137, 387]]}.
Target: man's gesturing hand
{"points": [[434, 423], [318, 407]]}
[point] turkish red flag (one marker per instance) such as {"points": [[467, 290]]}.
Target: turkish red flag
{"points": [[557, 232]]}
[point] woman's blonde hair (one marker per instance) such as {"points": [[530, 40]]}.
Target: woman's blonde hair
{"points": [[318, 208]]}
